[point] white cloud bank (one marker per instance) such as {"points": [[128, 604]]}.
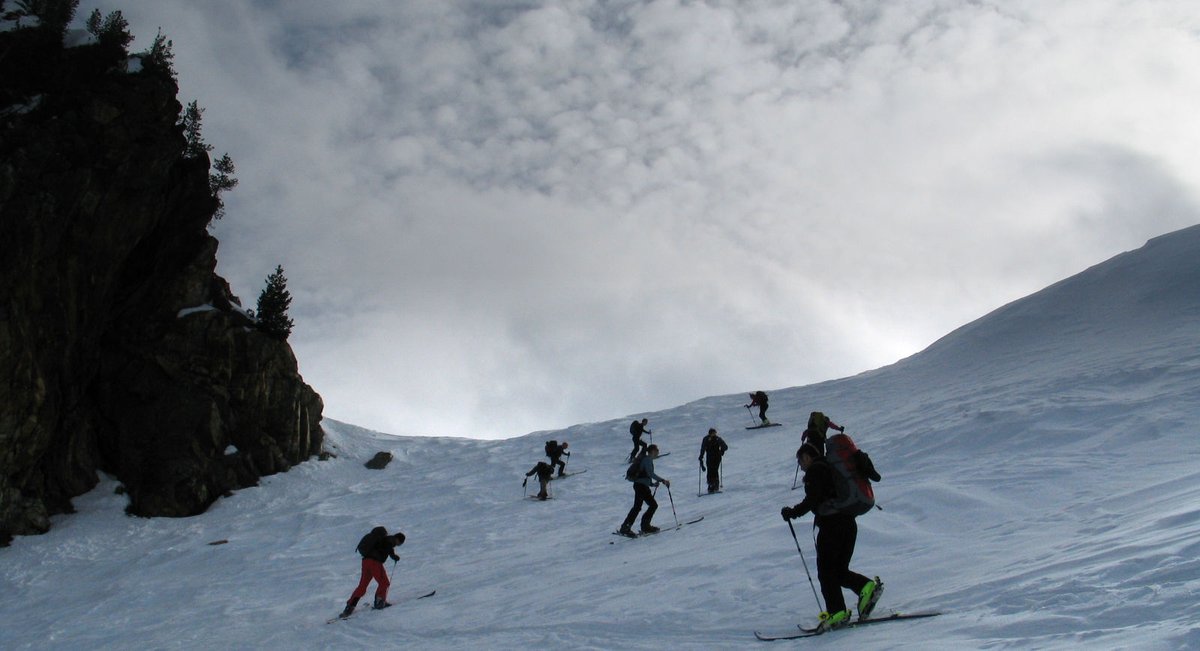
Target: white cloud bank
{"points": [[504, 216]]}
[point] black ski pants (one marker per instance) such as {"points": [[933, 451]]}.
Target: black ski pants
{"points": [[836, 536], [713, 463], [638, 445], [641, 496]]}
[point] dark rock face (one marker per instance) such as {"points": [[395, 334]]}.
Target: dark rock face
{"points": [[379, 461], [104, 249]]}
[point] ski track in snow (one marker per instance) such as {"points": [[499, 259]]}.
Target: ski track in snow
{"points": [[1040, 487]]}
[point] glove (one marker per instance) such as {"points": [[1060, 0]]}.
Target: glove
{"points": [[842, 429], [746, 406], [788, 513]]}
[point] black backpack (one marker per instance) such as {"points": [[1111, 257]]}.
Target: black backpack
{"points": [[368, 542], [635, 469], [551, 448]]}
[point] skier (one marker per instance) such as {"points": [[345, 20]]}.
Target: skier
{"points": [[556, 452], [818, 426], [837, 534], [636, 429], [375, 547], [644, 478], [713, 447], [544, 472], [759, 399]]}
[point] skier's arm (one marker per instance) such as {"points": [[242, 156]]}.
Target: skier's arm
{"points": [[648, 467], [814, 494]]}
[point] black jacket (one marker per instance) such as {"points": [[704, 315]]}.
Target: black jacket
{"points": [[636, 429], [819, 487], [713, 447], [378, 545], [543, 470]]}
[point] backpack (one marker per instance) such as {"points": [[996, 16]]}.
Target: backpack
{"points": [[551, 448], [368, 542], [819, 423], [852, 474], [635, 469]]}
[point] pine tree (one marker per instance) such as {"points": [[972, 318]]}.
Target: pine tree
{"points": [[273, 304]]}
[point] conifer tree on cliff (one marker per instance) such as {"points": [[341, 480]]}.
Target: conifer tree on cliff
{"points": [[273, 304]]}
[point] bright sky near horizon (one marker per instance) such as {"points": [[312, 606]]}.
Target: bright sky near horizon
{"points": [[498, 217]]}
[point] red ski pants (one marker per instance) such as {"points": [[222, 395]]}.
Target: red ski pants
{"points": [[372, 569]]}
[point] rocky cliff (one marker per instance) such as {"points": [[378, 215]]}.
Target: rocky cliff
{"points": [[121, 350]]}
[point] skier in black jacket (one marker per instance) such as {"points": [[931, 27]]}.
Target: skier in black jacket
{"points": [[836, 536], [713, 447], [544, 472], [375, 547], [636, 429], [556, 453], [759, 399]]}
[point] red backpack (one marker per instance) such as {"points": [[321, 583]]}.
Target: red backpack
{"points": [[852, 477]]}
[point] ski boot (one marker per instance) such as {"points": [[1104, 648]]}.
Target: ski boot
{"points": [[626, 530], [349, 610], [868, 597], [833, 622], [380, 604], [649, 528]]}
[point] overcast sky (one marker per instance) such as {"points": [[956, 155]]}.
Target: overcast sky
{"points": [[500, 217]]}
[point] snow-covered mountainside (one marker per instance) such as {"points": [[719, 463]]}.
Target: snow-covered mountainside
{"points": [[1041, 488]]}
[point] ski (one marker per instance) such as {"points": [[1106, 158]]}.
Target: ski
{"points": [[629, 461], [812, 632], [712, 493], [675, 528], [570, 474], [540, 499], [366, 607], [762, 426], [879, 620]]}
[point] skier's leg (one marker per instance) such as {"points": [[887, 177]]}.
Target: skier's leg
{"points": [[363, 581], [652, 506], [638, 500], [831, 563], [851, 579]]}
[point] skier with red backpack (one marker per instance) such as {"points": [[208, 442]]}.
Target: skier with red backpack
{"points": [[836, 490]]}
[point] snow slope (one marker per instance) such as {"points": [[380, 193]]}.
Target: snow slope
{"points": [[1041, 487]]}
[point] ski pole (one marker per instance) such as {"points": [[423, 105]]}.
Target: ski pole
{"points": [[751, 415], [698, 470], [810, 581], [797, 477], [524, 490], [672, 505], [721, 469]]}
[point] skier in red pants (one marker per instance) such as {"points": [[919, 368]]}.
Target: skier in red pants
{"points": [[375, 547]]}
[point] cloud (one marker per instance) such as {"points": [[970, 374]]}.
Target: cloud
{"points": [[504, 216]]}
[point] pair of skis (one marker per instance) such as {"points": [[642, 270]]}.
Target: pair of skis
{"points": [[367, 607], [651, 533], [800, 631]]}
